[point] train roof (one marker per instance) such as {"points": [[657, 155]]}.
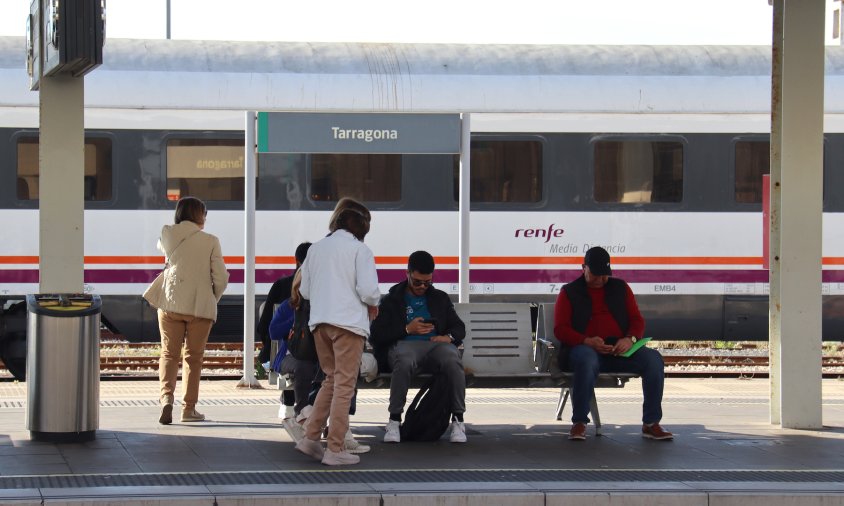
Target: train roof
{"points": [[446, 59], [310, 76]]}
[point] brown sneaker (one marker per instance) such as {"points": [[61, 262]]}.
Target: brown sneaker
{"points": [[578, 432], [166, 417], [192, 415], [654, 431]]}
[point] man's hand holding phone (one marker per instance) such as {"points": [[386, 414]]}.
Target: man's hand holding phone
{"points": [[417, 326]]}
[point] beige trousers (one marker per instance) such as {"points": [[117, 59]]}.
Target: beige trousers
{"points": [[177, 331], [339, 353]]}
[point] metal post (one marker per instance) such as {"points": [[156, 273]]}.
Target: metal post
{"points": [[251, 161], [464, 205]]}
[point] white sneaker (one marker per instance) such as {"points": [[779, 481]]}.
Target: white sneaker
{"points": [[311, 448], [286, 412], [304, 414], [393, 434], [458, 432], [352, 445], [343, 458], [294, 429]]}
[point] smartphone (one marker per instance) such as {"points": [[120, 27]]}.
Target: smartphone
{"points": [[610, 340], [432, 321]]}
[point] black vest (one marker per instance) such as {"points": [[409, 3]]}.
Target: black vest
{"points": [[581, 305]]}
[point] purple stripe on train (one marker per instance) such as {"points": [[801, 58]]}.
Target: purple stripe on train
{"points": [[450, 275], [19, 276], [484, 276]]}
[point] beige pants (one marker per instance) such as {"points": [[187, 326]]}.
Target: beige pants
{"points": [[339, 352], [177, 331]]}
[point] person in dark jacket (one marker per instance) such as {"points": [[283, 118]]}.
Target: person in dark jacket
{"points": [[417, 329], [279, 292], [596, 319]]}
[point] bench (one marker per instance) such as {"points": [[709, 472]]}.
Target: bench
{"points": [[499, 351]]}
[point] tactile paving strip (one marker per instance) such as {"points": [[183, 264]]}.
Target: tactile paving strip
{"points": [[415, 476]]}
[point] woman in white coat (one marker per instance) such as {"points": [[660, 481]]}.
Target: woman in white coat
{"points": [[186, 296]]}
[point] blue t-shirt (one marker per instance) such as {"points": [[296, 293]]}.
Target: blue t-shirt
{"points": [[414, 308]]}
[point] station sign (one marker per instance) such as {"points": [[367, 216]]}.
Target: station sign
{"points": [[373, 133]]}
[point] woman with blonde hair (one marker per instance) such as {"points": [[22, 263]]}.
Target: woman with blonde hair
{"points": [[186, 296]]}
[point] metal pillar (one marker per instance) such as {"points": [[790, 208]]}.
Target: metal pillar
{"points": [[464, 204], [796, 215], [61, 160], [251, 161]]}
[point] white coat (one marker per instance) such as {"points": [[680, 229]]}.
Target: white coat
{"points": [[195, 277]]}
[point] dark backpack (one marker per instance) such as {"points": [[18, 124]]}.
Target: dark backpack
{"points": [[429, 414], [300, 342]]}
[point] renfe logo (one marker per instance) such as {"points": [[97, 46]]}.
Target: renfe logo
{"points": [[540, 232]]}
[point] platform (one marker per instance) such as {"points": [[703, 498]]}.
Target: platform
{"points": [[725, 452]]}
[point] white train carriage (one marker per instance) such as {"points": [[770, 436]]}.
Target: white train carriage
{"points": [[655, 153]]}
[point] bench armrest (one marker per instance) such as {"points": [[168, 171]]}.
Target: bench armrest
{"points": [[545, 356]]}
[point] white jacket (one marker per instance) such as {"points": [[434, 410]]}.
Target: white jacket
{"points": [[195, 276], [340, 280]]}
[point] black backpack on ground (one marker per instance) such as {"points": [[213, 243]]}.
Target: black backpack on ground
{"points": [[429, 414]]}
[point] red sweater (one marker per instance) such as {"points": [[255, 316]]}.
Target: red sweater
{"points": [[601, 324]]}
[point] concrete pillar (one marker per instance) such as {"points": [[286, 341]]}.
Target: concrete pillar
{"points": [[797, 216], [773, 217], [61, 160]]}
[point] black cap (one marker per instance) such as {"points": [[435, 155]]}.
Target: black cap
{"points": [[598, 261]]}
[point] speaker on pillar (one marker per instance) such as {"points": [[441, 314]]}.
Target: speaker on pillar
{"points": [[73, 33]]}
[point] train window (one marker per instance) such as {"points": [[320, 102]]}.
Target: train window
{"points": [[98, 169], [209, 169], [503, 171], [638, 171], [753, 160], [368, 178]]}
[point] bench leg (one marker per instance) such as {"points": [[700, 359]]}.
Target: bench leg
{"points": [[596, 417], [561, 403]]}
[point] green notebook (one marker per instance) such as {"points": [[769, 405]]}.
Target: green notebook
{"points": [[638, 344]]}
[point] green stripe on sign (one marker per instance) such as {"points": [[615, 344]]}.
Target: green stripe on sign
{"points": [[263, 132]]}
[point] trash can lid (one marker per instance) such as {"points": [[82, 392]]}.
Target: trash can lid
{"points": [[62, 304]]}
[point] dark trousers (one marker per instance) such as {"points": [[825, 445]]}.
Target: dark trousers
{"points": [[587, 363]]}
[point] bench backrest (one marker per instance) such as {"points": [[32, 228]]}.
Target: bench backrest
{"points": [[498, 338], [545, 321]]}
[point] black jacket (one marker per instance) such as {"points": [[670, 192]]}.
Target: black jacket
{"points": [[279, 292], [388, 328]]}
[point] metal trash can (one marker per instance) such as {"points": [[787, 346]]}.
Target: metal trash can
{"points": [[63, 366]]}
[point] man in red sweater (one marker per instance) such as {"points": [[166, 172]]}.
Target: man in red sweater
{"points": [[596, 319]]}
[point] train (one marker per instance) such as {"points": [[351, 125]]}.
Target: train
{"points": [[654, 152]]}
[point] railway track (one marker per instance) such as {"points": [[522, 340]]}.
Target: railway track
{"points": [[134, 360]]}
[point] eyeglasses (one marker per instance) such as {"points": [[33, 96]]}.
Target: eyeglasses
{"points": [[421, 282]]}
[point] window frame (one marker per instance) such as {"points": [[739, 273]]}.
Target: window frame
{"points": [[544, 189], [626, 137], [88, 134], [371, 204], [224, 205]]}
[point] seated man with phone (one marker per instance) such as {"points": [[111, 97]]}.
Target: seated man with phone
{"points": [[417, 329]]}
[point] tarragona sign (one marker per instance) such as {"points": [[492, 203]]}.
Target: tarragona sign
{"points": [[375, 133]]}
